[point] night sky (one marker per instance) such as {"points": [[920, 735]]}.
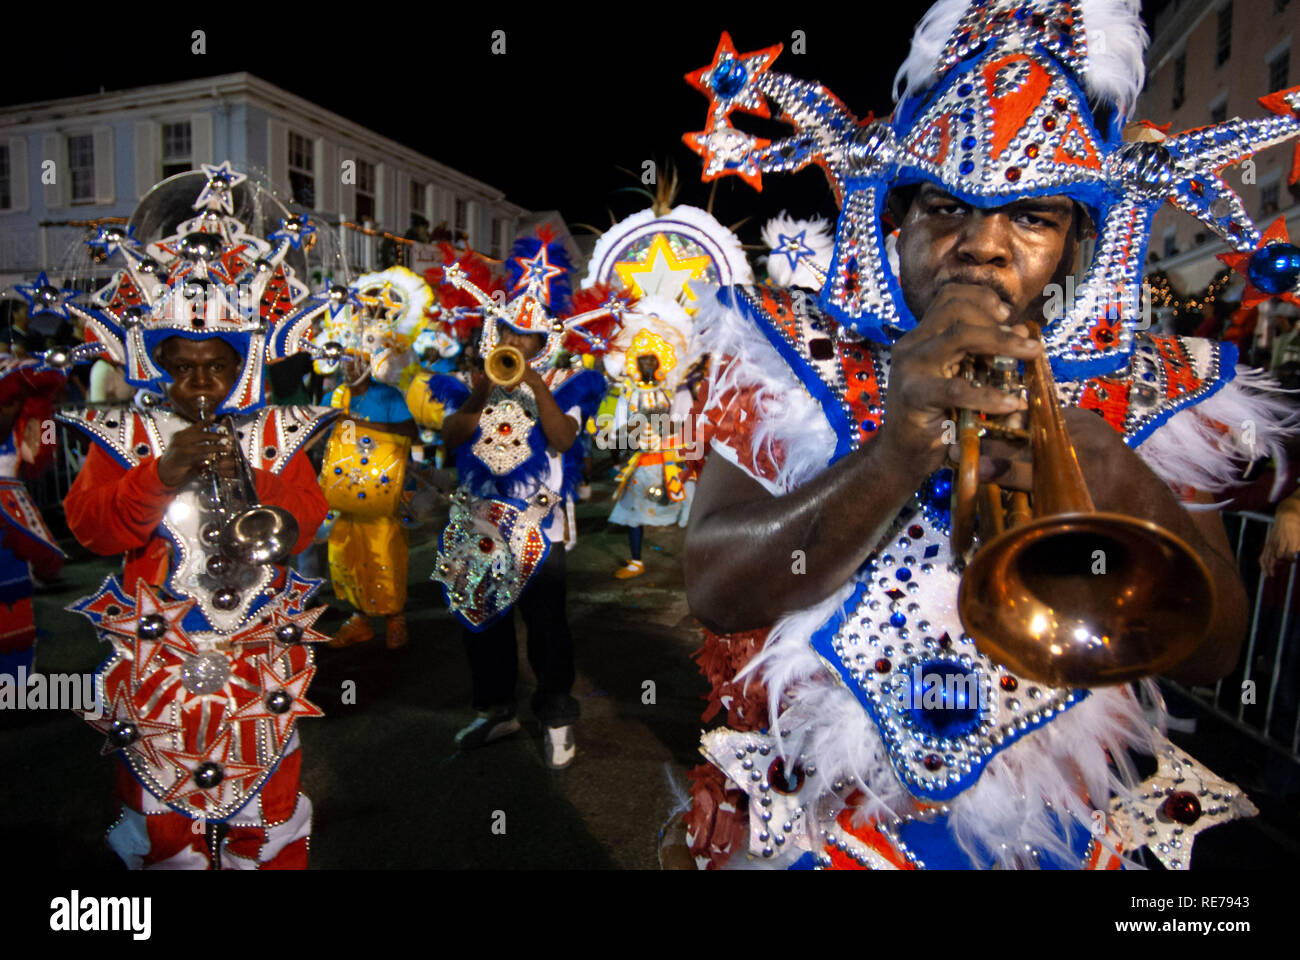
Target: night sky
{"points": [[574, 98]]}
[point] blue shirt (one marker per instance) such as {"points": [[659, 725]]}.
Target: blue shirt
{"points": [[379, 404]]}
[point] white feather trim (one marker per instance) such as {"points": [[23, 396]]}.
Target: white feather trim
{"points": [[742, 358], [1190, 450], [721, 244], [1113, 30], [817, 237], [814, 715]]}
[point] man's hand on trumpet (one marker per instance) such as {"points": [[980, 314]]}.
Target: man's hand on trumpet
{"points": [[194, 451]]}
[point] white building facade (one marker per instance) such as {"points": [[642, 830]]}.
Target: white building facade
{"points": [[95, 156]]}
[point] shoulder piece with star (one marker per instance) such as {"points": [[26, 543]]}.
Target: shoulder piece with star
{"points": [[280, 432], [124, 432]]}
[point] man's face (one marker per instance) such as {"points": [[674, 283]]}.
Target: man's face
{"points": [[529, 344], [1016, 250], [199, 368], [646, 365]]}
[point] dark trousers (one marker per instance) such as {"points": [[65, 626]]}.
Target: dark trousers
{"points": [[494, 658]]}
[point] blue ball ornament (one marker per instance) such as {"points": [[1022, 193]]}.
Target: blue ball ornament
{"points": [[1275, 268], [729, 78], [944, 698]]}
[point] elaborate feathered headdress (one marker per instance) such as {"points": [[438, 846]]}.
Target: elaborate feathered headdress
{"points": [[539, 296], [378, 321], [801, 251], [1002, 99], [210, 279]]}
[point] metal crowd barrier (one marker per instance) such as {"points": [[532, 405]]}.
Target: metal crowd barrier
{"points": [[1261, 697]]}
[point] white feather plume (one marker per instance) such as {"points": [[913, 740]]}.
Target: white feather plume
{"points": [[817, 237], [1113, 30]]}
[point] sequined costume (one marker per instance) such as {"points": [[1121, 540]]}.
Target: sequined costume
{"points": [[209, 650], [867, 731]]}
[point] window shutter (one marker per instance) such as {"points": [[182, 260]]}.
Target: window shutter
{"points": [[54, 148], [148, 156], [277, 154], [19, 174], [103, 139], [327, 176], [201, 140]]}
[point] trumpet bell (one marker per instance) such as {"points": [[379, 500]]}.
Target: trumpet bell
{"points": [[260, 534], [1086, 599], [504, 366]]}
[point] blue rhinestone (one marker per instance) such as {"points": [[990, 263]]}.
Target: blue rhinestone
{"points": [[968, 143], [945, 698], [383, 479], [903, 573], [1275, 268], [967, 115], [728, 78], [931, 550], [364, 461], [966, 167], [869, 426], [361, 495], [366, 440], [338, 470], [965, 90], [898, 619]]}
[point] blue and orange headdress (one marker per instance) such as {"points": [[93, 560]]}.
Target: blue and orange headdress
{"points": [[1001, 100]]}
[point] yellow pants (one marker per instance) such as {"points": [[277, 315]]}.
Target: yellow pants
{"points": [[368, 563]]}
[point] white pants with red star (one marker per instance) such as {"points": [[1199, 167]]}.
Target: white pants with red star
{"points": [[271, 832]]}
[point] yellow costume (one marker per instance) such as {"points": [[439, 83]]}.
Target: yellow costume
{"points": [[362, 477]]}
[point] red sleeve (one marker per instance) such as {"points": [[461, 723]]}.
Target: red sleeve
{"points": [[297, 490], [111, 509]]}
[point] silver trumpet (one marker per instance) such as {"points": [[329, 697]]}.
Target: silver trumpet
{"points": [[249, 532]]}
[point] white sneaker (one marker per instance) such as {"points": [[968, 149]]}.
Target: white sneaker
{"points": [[486, 729], [558, 746]]}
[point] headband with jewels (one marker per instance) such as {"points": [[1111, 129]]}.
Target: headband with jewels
{"points": [[455, 317], [538, 298], [211, 278], [377, 318], [995, 107]]}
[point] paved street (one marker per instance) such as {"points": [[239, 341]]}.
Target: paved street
{"points": [[388, 787]]}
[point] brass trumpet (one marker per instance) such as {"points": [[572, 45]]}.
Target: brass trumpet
{"points": [[504, 366], [1062, 593], [250, 532]]}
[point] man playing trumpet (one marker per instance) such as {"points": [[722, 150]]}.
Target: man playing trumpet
{"points": [[897, 736], [205, 494]]}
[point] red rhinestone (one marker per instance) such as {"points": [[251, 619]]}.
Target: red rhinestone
{"points": [[1182, 807], [945, 641], [932, 761], [1049, 123], [1198, 188], [1009, 683], [1013, 174], [915, 530], [883, 665], [485, 544], [503, 428], [1060, 103], [1031, 151]]}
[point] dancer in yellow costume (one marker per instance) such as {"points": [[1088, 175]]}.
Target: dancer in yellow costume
{"points": [[365, 462]]}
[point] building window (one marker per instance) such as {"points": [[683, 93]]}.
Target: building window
{"points": [[177, 148], [1279, 71], [462, 218], [1268, 200], [6, 194], [365, 191], [1280, 5], [417, 197], [498, 237], [1219, 112], [302, 177], [1223, 36], [81, 167], [1171, 243], [1180, 79]]}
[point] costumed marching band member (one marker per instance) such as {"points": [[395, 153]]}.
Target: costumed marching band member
{"points": [[364, 471], [205, 493], [513, 434], [663, 257], [655, 486], [27, 391], [894, 700]]}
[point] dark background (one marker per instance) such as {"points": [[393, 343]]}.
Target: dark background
{"points": [[578, 94]]}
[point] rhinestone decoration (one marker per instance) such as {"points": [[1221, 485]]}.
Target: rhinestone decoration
{"points": [[503, 442], [482, 584], [776, 811], [1177, 802]]}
